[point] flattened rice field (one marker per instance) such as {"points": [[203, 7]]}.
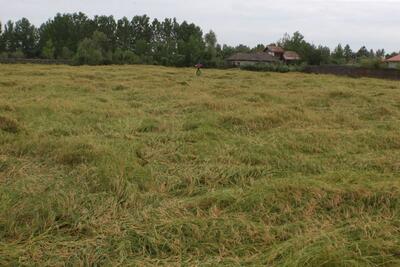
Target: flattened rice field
{"points": [[145, 165]]}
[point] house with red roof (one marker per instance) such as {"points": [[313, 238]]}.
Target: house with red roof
{"points": [[393, 62], [271, 54]]}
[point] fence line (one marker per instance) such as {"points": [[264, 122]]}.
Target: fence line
{"points": [[391, 74], [35, 61]]}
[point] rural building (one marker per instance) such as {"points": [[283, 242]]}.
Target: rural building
{"points": [[242, 59], [274, 50], [291, 56], [393, 62], [271, 54]]}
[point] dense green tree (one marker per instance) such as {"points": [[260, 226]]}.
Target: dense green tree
{"points": [[2, 44], [103, 44], [103, 40], [363, 52], [338, 55], [210, 56], [258, 48], [242, 49], [94, 50], [190, 45], [124, 34], [108, 26], [66, 53], [159, 43], [125, 57], [338, 52], [227, 51], [294, 43], [142, 37], [297, 43], [210, 39], [190, 52], [165, 39], [82, 26], [372, 53], [141, 28], [319, 55], [26, 37], [88, 53], [10, 40], [48, 50], [66, 30], [348, 53], [380, 53]]}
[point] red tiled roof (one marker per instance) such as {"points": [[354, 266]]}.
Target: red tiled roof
{"points": [[394, 59]]}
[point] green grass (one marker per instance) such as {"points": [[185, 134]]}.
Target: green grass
{"points": [[143, 166]]}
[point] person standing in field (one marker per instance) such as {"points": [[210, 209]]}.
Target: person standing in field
{"points": [[198, 66]]}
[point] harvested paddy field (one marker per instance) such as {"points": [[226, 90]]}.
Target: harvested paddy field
{"points": [[145, 165]]}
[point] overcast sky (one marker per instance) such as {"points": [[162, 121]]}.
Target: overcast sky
{"points": [[375, 24]]}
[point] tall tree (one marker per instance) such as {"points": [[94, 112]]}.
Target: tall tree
{"points": [[48, 50], [242, 49], [124, 34], [210, 40], [94, 50], [190, 44], [380, 53], [26, 37], [66, 30], [371, 53], [338, 52], [9, 37], [348, 53], [297, 43], [338, 55], [142, 35], [227, 51], [2, 44], [258, 48], [108, 26], [363, 52]]}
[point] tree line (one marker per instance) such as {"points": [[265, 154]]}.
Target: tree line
{"points": [[317, 55], [140, 40]]}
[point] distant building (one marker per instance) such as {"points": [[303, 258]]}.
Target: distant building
{"points": [[242, 59], [291, 56], [393, 62], [271, 54], [274, 50]]}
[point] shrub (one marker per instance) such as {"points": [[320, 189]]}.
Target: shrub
{"points": [[17, 54], [371, 63], [66, 53], [125, 57], [277, 67], [3, 55], [88, 53], [94, 51], [48, 50]]}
